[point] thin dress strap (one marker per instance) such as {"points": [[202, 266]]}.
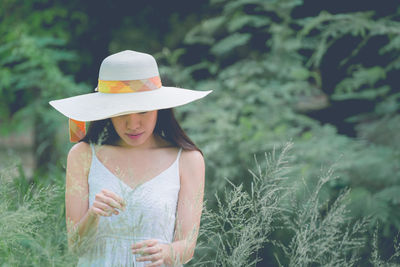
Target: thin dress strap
{"points": [[177, 161], [93, 152], [179, 154]]}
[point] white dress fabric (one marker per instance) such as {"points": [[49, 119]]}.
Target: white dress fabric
{"points": [[149, 214]]}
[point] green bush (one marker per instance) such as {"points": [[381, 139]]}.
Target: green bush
{"points": [[268, 72]]}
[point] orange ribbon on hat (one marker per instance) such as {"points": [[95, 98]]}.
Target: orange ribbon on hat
{"points": [[77, 129]]}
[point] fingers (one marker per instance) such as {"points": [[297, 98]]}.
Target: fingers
{"points": [[98, 211], [105, 208], [100, 197], [146, 251], [106, 203], [154, 257], [146, 243], [149, 250], [115, 197]]}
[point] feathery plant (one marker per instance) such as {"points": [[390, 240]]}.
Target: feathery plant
{"points": [[393, 260], [321, 231], [232, 234], [31, 223]]}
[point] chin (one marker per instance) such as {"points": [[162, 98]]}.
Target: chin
{"points": [[129, 142]]}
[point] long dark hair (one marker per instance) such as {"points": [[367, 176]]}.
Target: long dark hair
{"points": [[167, 127]]}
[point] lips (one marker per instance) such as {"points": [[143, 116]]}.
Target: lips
{"points": [[134, 136]]}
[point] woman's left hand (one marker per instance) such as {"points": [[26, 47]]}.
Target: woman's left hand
{"points": [[151, 250]]}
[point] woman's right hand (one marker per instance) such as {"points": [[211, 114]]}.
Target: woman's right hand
{"points": [[106, 203]]}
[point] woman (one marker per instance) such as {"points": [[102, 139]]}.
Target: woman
{"points": [[135, 181]]}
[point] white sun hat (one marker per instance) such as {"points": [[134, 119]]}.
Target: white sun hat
{"points": [[129, 82]]}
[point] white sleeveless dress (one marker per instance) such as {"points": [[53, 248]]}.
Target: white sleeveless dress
{"points": [[150, 214]]}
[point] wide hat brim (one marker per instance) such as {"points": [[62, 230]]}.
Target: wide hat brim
{"points": [[98, 106]]}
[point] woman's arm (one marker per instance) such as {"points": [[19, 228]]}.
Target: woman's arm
{"points": [[190, 205], [79, 220]]}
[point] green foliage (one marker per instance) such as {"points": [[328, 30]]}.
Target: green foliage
{"points": [[268, 69], [376, 259], [31, 75], [267, 75], [363, 81], [227, 44], [347, 89], [32, 222]]}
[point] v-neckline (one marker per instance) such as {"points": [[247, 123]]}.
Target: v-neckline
{"points": [[140, 184]]}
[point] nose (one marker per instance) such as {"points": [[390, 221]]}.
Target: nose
{"points": [[133, 121]]}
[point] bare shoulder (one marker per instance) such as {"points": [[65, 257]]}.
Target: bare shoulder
{"points": [[79, 155], [192, 166], [78, 150], [192, 158]]}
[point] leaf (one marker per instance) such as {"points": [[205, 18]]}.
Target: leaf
{"points": [[247, 20], [203, 32], [231, 42], [231, 6], [371, 93], [352, 87], [300, 73]]}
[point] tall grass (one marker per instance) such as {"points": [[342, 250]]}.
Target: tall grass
{"points": [[233, 233], [322, 233], [32, 222]]}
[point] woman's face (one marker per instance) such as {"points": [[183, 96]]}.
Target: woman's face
{"points": [[136, 128]]}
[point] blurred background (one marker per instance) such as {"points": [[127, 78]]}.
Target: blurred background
{"points": [[322, 74]]}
